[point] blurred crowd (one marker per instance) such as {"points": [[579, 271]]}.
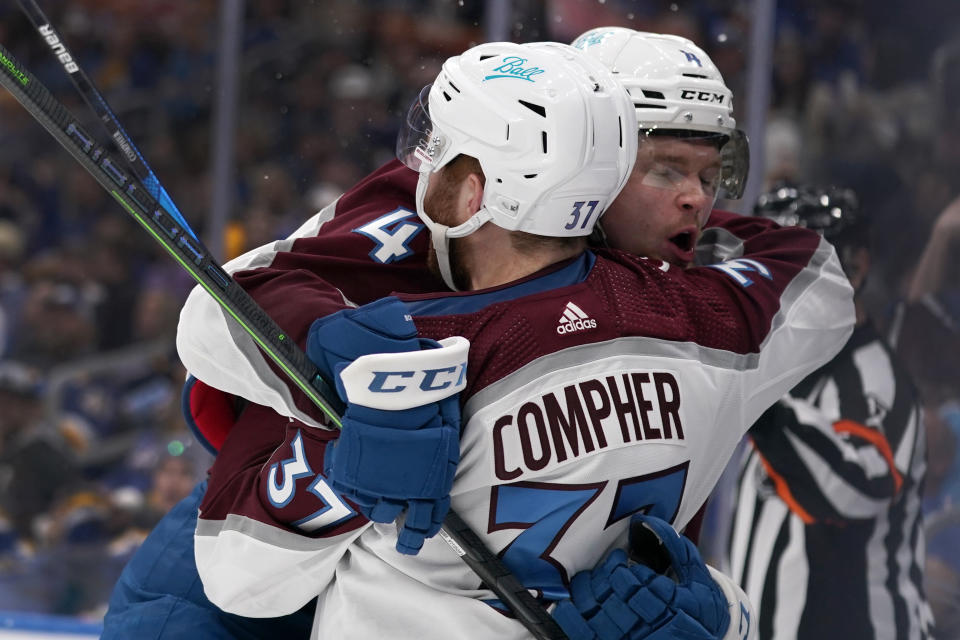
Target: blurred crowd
{"points": [[93, 448]]}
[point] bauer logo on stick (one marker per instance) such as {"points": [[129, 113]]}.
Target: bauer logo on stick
{"points": [[59, 49]]}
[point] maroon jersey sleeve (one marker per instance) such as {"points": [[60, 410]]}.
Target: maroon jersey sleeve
{"points": [[255, 476], [360, 248], [373, 244]]}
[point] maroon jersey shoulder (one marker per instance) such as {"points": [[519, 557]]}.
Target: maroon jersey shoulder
{"points": [[393, 186], [373, 245], [623, 295]]}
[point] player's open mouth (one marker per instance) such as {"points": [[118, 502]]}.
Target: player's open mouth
{"points": [[683, 241]]}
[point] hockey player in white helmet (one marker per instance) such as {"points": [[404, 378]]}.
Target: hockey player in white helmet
{"points": [[586, 427], [690, 151], [596, 387]]}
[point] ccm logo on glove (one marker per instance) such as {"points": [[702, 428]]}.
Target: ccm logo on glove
{"points": [[394, 381]]}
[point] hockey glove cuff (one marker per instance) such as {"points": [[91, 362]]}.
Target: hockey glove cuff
{"points": [[400, 441]]}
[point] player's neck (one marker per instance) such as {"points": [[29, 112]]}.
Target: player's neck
{"points": [[491, 260]]}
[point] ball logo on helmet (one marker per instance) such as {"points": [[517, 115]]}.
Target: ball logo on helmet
{"points": [[512, 67]]}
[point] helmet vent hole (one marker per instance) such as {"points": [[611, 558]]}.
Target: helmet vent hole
{"points": [[543, 139], [487, 57], [540, 110], [694, 75], [454, 87], [447, 96], [530, 176], [641, 105], [620, 131], [653, 95]]}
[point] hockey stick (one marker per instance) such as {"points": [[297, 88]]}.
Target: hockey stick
{"points": [[236, 302], [115, 131]]}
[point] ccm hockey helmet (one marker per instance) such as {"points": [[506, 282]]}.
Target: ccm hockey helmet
{"points": [[676, 90]]}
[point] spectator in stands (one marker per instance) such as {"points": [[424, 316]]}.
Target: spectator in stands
{"points": [[29, 443]]}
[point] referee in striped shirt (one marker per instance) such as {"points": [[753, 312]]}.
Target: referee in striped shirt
{"points": [[827, 536]]}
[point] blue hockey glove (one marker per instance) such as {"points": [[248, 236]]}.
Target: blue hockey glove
{"points": [[622, 599], [400, 441]]}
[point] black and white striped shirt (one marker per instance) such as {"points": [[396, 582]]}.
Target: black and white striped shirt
{"points": [[827, 536]]}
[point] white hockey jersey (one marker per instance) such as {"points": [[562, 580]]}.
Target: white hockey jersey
{"points": [[596, 389]]}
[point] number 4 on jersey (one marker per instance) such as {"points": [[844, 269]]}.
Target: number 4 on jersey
{"points": [[392, 234]]}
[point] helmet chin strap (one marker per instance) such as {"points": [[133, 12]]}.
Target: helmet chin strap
{"points": [[440, 234]]}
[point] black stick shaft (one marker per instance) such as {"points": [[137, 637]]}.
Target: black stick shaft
{"points": [[236, 302], [135, 160]]}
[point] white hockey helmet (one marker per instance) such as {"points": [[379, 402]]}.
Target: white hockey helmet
{"points": [[550, 126], [676, 89]]}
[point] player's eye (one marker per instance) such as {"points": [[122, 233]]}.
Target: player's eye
{"points": [[663, 171], [710, 180]]}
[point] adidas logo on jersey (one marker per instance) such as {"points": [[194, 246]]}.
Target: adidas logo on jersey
{"points": [[574, 319]]}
